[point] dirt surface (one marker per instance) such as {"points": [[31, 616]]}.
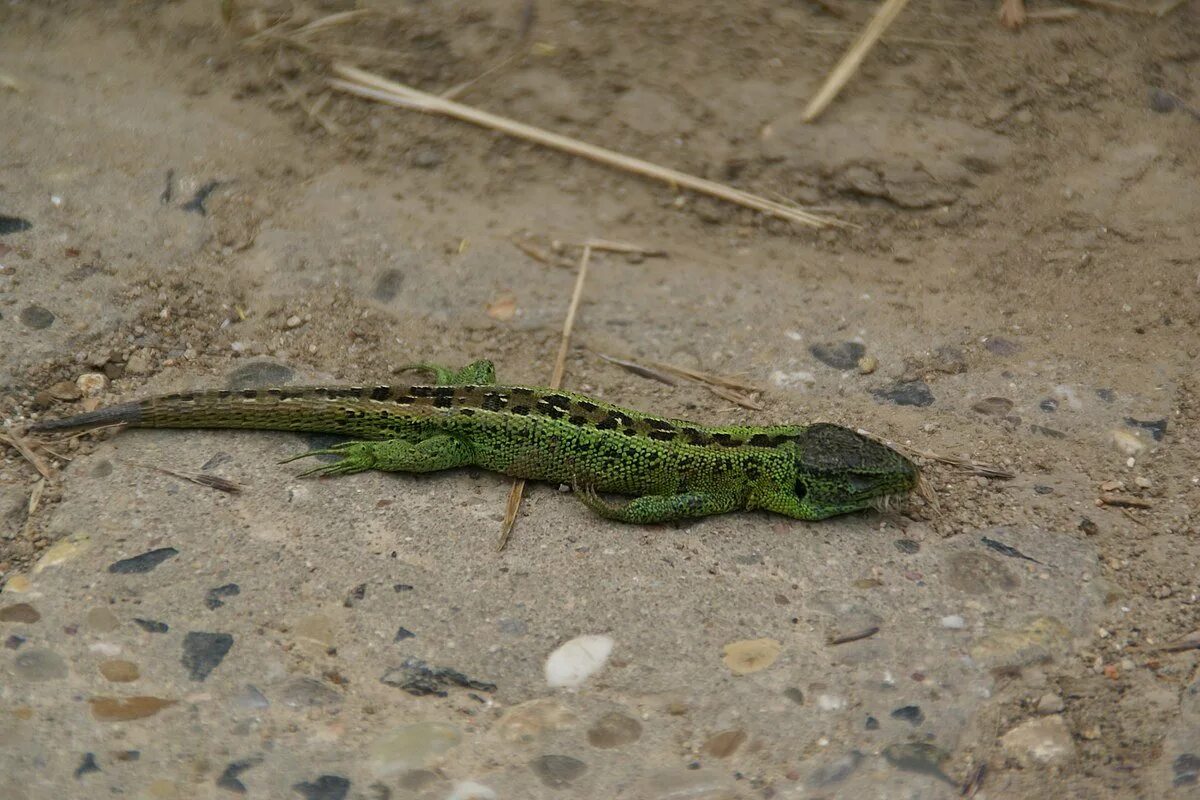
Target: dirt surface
{"points": [[186, 204]]}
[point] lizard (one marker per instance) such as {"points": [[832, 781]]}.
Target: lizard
{"points": [[673, 469]]}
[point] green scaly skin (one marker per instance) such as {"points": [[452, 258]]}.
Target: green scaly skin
{"points": [[673, 469]]}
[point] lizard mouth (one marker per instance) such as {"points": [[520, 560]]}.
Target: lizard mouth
{"points": [[894, 502]]}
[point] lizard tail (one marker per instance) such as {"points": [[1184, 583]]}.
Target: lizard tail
{"points": [[123, 414]]}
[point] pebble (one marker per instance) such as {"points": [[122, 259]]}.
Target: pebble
{"points": [[40, 664], [143, 562], [1050, 703], [993, 406], [124, 709], [259, 374], [91, 384], [954, 622], [325, 787], [921, 758], [416, 746], [14, 642], [228, 779], [557, 771], [36, 317], [1043, 741], [577, 660], [101, 620], [1040, 640], [203, 652], [907, 546], [913, 715], [117, 670], [840, 355], [1186, 767], [795, 695], [87, 764], [750, 655], [294, 321], [1128, 443], [867, 365], [214, 598], [725, 743], [151, 625], [1157, 428], [20, 612], [303, 692], [13, 224], [403, 633], [999, 346], [470, 790], [614, 729], [835, 771], [528, 721], [1049, 405], [251, 698], [906, 393], [60, 552]]}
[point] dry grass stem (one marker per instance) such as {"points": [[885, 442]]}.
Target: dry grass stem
{"points": [[1052, 14], [1160, 10], [366, 84], [850, 62], [560, 366], [22, 446], [198, 478]]}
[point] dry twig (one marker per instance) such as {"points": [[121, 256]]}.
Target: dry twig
{"points": [[198, 478], [22, 446]]}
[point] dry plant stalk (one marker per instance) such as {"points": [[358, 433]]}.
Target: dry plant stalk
{"points": [[850, 62], [19, 443], [372, 86], [726, 388], [560, 365]]}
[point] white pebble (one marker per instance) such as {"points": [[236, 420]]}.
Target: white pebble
{"points": [[470, 790], [953, 621], [294, 321], [830, 702], [91, 384], [577, 660]]}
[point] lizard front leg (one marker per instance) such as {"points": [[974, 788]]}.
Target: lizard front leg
{"points": [[477, 373], [392, 455], [653, 508]]}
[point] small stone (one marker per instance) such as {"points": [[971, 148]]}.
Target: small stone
{"points": [[576, 660], [913, 715], [999, 346], [20, 612], [1128, 443], [91, 384], [303, 692], [214, 598], [526, 722], [1157, 428], [14, 642], [101, 620], [294, 322], [203, 652], [143, 562], [954, 622], [251, 698], [1107, 395], [39, 665], [725, 743], [906, 393], [403, 633], [470, 790], [86, 765], [1050, 703], [325, 787], [1162, 101], [36, 317], [835, 771], [993, 406], [750, 655], [124, 709], [127, 755], [1043, 741], [420, 679], [614, 729], [119, 671], [842, 355], [949, 360], [228, 779], [13, 224], [556, 771], [921, 758], [907, 546], [795, 695], [871, 724], [151, 625], [1049, 405], [66, 391], [416, 746], [140, 363], [867, 365], [60, 552]]}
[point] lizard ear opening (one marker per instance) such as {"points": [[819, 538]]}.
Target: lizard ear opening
{"points": [[801, 490]]}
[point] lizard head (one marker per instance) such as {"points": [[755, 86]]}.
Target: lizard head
{"points": [[837, 471]]}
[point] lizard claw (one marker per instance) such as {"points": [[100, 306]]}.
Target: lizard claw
{"points": [[590, 498]]}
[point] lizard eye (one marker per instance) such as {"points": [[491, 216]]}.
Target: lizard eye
{"points": [[801, 490]]}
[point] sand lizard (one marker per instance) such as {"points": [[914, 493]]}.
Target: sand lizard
{"points": [[674, 469]]}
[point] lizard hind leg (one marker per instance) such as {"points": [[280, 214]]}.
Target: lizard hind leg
{"points": [[392, 455], [653, 508], [477, 373]]}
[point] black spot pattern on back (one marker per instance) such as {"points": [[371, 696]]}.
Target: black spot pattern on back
{"points": [[576, 419], [520, 409], [662, 436], [608, 423], [493, 401], [381, 393]]}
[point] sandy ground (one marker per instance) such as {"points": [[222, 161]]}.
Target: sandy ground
{"points": [[184, 206]]}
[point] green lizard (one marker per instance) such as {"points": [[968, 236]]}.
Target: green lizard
{"points": [[674, 469]]}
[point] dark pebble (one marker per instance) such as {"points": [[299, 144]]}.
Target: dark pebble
{"points": [[142, 563], [326, 787], [259, 375], [795, 695], [835, 771], [1049, 405], [203, 652], [908, 546], [910, 714], [13, 224], [418, 678], [404, 633], [871, 724], [196, 204], [906, 393], [88, 764], [229, 778], [426, 157], [357, 594], [1162, 101], [1107, 395], [36, 317], [20, 612], [999, 346], [213, 598], [557, 771], [14, 641], [1156, 427], [1187, 769], [1043, 489], [152, 625], [919, 757], [993, 406], [1053, 433], [387, 285], [1088, 527], [402, 587], [842, 355], [127, 755]]}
